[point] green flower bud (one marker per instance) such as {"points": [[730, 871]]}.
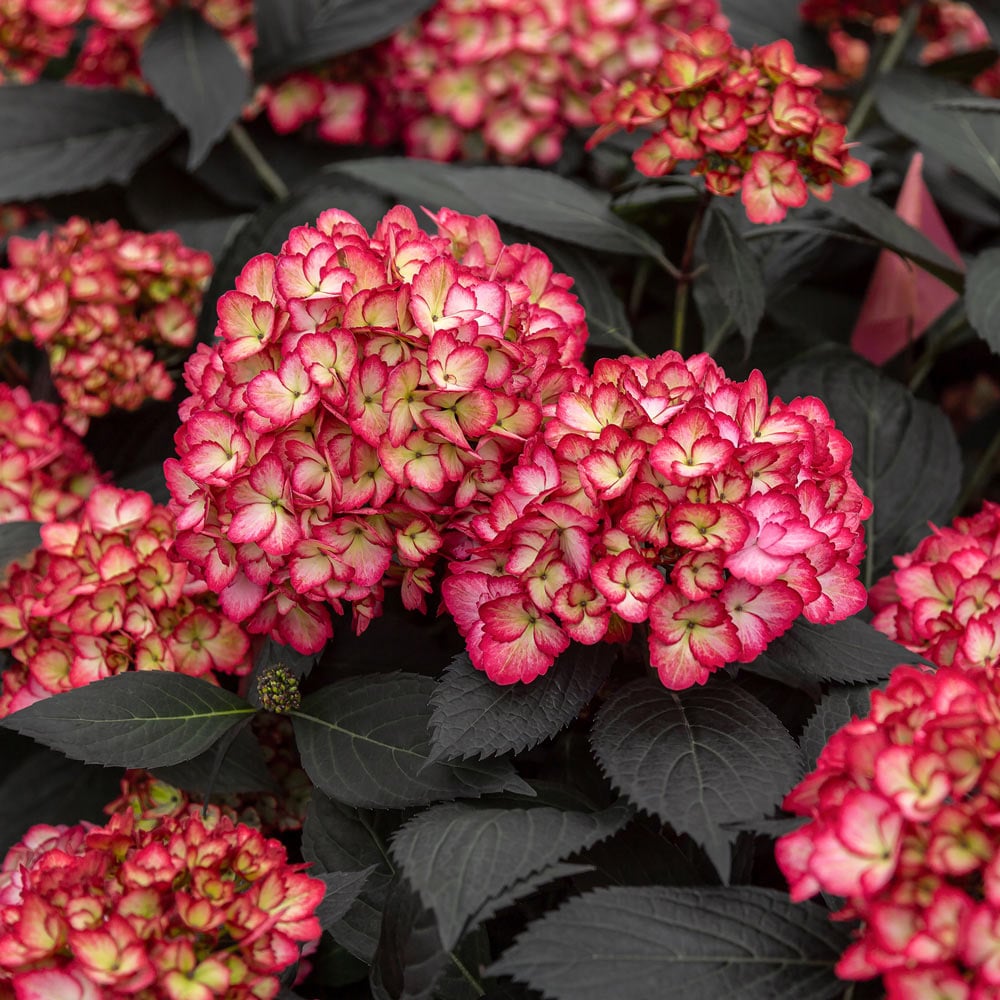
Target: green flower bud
{"points": [[278, 689]]}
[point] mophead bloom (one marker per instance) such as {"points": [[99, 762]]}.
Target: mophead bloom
{"points": [[104, 593], [942, 599], [662, 492], [365, 395], [185, 908], [46, 473], [903, 811], [107, 305], [504, 79], [748, 119]]}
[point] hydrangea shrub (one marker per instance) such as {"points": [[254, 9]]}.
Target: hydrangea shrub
{"points": [[647, 679]]}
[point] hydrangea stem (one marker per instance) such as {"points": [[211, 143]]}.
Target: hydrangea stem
{"points": [[686, 276], [890, 56], [266, 174]]}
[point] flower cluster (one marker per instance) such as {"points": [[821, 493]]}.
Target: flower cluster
{"points": [[949, 29], [46, 473], [150, 800], [943, 599], [509, 78], [105, 593], [749, 120], [663, 492], [32, 33], [102, 301], [364, 397], [191, 908], [904, 810]]}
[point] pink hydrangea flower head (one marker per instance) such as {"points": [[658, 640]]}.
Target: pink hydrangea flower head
{"points": [[750, 121], [34, 32], [942, 599], [366, 394], [118, 29], [106, 592], [902, 813], [659, 491], [105, 304], [188, 906], [503, 79], [46, 473]]}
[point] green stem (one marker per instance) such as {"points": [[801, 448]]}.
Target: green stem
{"points": [[638, 288], [890, 56], [266, 174], [468, 976], [935, 350], [981, 474], [685, 277]]}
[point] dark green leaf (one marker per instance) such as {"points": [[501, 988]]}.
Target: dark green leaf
{"points": [[474, 717], [536, 200], [364, 741], [850, 651], [876, 219], [195, 73], [462, 859], [696, 758], [242, 769], [647, 853], [646, 943], [137, 719], [754, 23], [337, 839], [296, 33], [268, 228], [840, 704], [980, 105], [906, 458], [410, 957], [982, 296], [18, 539], [970, 142], [735, 272], [55, 138], [343, 889], [423, 181], [45, 787], [547, 203]]}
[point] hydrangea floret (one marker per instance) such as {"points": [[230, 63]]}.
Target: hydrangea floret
{"points": [[104, 303], [662, 492], [904, 823], [943, 599], [366, 395], [46, 473], [748, 119], [191, 908], [104, 593]]}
